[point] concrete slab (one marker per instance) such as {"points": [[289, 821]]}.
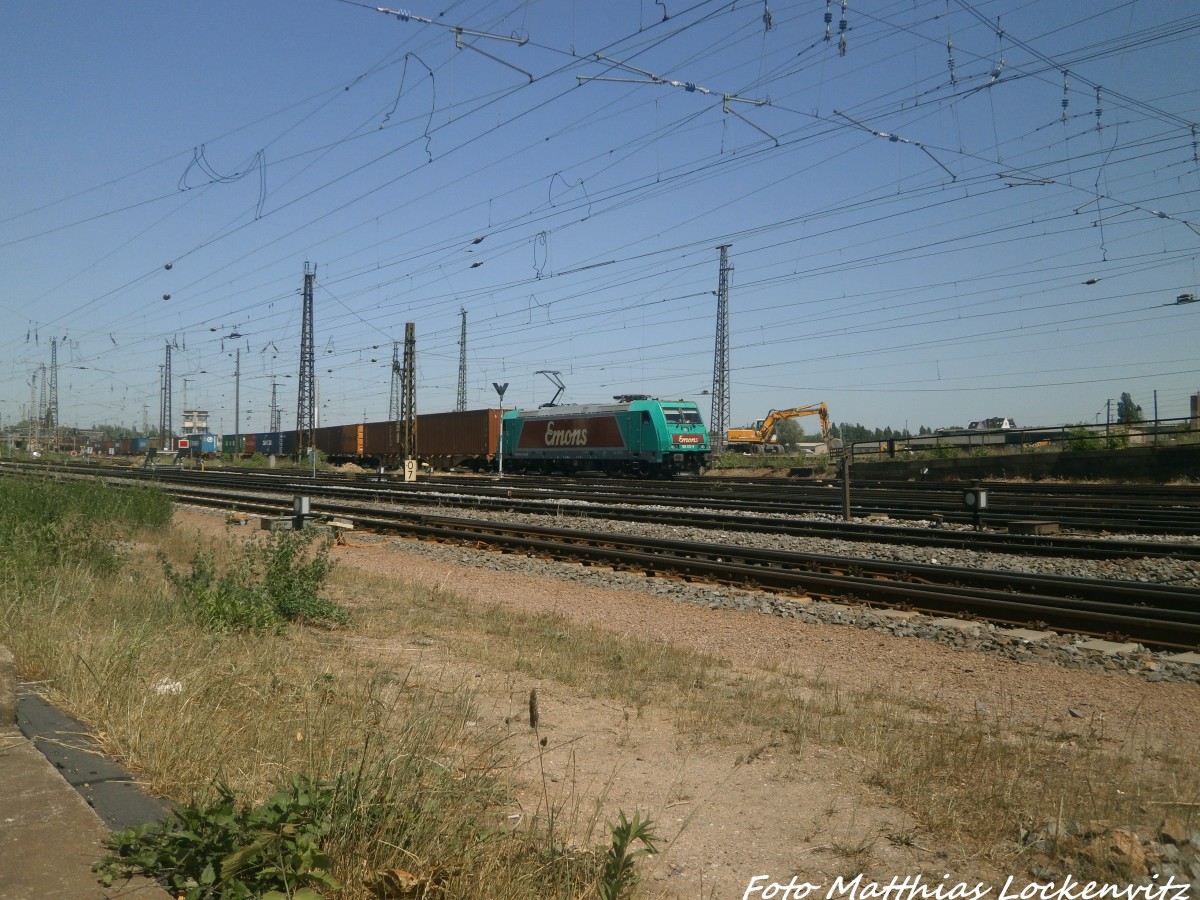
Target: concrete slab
{"points": [[49, 837], [1190, 658], [1033, 526], [1108, 648], [961, 624], [1026, 634]]}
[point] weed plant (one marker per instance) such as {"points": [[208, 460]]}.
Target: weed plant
{"points": [[233, 851], [270, 584], [619, 875]]}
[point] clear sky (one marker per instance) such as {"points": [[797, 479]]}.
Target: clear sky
{"points": [[949, 210]]}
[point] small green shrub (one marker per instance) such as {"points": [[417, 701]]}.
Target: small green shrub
{"points": [[1082, 438], [222, 850], [619, 875], [269, 584]]}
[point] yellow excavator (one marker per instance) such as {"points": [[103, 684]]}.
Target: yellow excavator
{"points": [[760, 437]]}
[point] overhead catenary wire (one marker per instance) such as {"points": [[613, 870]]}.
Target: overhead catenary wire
{"points": [[636, 193]]}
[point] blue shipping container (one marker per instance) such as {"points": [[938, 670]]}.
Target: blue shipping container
{"points": [[277, 442]]}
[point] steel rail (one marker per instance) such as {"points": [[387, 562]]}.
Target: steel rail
{"points": [[1152, 614], [1073, 547], [1032, 545], [1089, 511]]}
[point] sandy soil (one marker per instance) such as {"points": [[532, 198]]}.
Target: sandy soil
{"points": [[730, 808]]}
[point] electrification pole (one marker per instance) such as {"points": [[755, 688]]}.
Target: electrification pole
{"points": [[306, 403], [42, 436], [408, 402], [394, 396], [274, 407], [462, 363], [719, 422], [237, 402], [166, 430], [31, 419], [52, 404]]}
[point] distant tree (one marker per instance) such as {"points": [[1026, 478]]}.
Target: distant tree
{"points": [[1128, 412], [113, 432], [788, 431]]}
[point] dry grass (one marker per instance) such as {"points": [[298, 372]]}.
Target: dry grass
{"points": [[975, 781], [252, 710]]}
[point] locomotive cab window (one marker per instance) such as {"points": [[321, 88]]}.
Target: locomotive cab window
{"points": [[682, 416]]}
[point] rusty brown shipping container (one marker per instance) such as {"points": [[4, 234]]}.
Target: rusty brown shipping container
{"points": [[343, 441], [469, 438], [380, 442]]}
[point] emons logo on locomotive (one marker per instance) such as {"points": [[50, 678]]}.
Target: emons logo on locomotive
{"points": [[565, 437]]}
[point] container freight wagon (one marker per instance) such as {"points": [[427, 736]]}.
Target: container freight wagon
{"points": [[278, 443], [444, 440], [233, 444], [636, 437], [459, 439], [198, 444], [381, 446], [340, 443]]}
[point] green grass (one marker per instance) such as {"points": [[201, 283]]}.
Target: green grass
{"points": [[50, 522]]}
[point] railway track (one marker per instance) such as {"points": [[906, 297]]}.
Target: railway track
{"points": [[1147, 511], [1140, 509], [1155, 615], [663, 510]]}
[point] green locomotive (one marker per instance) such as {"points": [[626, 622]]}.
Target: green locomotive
{"points": [[632, 436]]}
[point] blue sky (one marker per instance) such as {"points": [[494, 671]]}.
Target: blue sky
{"points": [[921, 233]]}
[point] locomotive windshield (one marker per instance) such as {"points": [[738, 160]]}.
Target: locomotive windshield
{"points": [[682, 416]]}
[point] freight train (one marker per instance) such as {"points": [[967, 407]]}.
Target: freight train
{"points": [[634, 435]]}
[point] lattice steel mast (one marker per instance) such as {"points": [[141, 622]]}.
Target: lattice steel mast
{"points": [[462, 363], [306, 403], [408, 401], [41, 410], [394, 396], [52, 403], [165, 429], [718, 424], [274, 407], [31, 420]]}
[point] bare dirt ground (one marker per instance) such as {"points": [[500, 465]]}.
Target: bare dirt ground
{"points": [[730, 807]]}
